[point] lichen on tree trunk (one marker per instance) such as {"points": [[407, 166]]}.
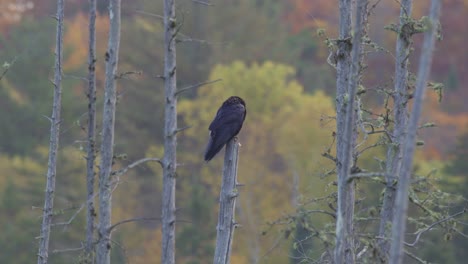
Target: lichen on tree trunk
{"points": [[401, 203]]}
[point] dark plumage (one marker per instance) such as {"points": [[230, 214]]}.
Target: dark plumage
{"points": [[226, 125]]}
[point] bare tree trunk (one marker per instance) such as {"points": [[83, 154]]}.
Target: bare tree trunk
{"points": [[108, 123], [227, 204], [394, 153], [399, 220], [47, 214], [295, 193], [170, 135], [343, 67], [347, 81], [91, 150]]}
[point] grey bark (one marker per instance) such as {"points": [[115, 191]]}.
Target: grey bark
{"points": [[227, 204], [47, 214], [399, 220], [295, 194], [91, 149], [170, 131], [394, 153], [107, 145], [348, 67], [343, 67]]}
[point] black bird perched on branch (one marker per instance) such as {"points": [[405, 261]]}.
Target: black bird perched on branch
{"points": [[226, 125]]}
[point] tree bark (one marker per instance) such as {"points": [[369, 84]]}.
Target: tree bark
{"points": [[47, 214], [227, 204], [343, 66], [108, 123], [170, 139], [348, 67], [91, 149], [399, 220], [400, 98]]}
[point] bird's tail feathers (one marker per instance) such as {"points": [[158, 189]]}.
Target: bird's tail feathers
{"points": [[212, 149]]}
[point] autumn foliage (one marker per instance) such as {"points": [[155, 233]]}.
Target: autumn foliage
{"points": [[267, 53]]}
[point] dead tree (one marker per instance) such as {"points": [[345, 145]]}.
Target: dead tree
{"points": [[47, 213], [107, 145], [401, 205], [227, 204], [343, 66], [91, 148], [348, 58], [400, 98], [169, 162]]}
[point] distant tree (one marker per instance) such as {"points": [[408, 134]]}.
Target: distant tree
{"points": [[91, 142], [348, 59], [107, 145], [55, 120], [400, 98], [169, 162], [401, 202]]}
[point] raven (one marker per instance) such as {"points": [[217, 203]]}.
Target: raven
{"points": [[226, 125]]}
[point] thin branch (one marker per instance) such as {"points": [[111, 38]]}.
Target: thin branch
{"points": [[81, 78], [133, 165], [72, 217], [6, 66], [321, 211], [202, 3], [137, 219], [273, 247], [48, 118], [419, 233], [411, 255], [460, 233], [122, 248], [181, 129], [125, 74], [328, 156], [195, 86], [55, 251], [149, 14], [75, 214], [362, 252], [380, 143], [187, 38], [365, 175]]}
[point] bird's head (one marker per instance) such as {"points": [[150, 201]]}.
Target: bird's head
{"points": [[234, 100]]}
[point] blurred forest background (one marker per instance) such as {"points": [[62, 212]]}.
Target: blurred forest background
{"points": [[266, 51]]}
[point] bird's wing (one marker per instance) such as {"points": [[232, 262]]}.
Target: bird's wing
{"points": [[230, 115]]}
